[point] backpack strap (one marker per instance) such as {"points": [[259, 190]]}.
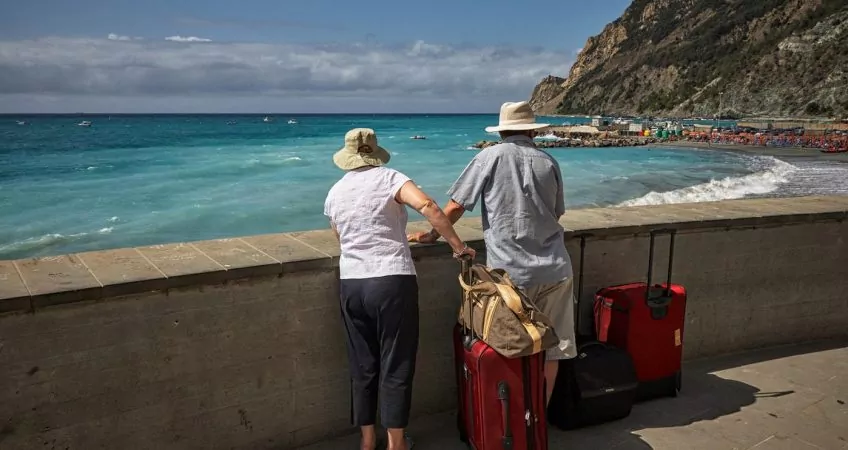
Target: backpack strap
{"points": [[513, 302]]}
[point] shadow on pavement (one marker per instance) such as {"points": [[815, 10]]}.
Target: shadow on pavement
{"points": [[705, 396]]}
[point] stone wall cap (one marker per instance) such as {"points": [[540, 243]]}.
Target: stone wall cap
{"points": [[29, 284]]}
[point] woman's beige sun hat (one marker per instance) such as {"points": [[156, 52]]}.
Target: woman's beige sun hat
{"points": [[516, 116], [360, 150]]}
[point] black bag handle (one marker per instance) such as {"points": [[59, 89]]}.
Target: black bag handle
{"points": [[659, 303], [580, 281]]}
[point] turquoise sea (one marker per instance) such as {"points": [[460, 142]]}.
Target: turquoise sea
{"points": [[130, 180]]}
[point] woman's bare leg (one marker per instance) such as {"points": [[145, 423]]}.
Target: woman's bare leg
{"points": [[397, 440], [369, 438]]}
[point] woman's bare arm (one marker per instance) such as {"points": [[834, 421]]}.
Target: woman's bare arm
{"points": [[410, 194], [335, 231]]}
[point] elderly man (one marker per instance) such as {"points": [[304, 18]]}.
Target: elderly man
{"points": [[520, 188]]}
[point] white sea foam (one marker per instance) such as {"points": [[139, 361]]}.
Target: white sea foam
{"points": [[113, 219], [40, 242], [550, 137], [774, 174], [281, 160], [105, 230]]}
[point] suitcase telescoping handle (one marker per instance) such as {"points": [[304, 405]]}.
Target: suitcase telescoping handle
{"points": [[658, 303], [465, 267], [467, 332], [580, 281]]}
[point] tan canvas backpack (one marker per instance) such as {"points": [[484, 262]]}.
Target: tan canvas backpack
{"points": [[500, 315]]}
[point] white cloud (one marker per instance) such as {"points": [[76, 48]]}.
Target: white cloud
{"points": [[187, 39], [358, 77], [118, 37]]}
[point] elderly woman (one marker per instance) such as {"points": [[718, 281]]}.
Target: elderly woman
{"points": [[379, 288]]}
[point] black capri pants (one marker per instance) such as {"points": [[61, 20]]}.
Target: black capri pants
{"points": [[381, 318]]}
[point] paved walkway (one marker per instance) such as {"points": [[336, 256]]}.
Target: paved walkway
{"points": [[793, 398]]}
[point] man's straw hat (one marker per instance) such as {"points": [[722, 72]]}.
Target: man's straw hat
{"points": [[517, 116]]}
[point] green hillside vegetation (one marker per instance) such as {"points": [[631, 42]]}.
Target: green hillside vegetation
{"points": [[688, 52]]}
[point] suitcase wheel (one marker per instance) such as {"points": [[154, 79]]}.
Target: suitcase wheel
{"points": [[460, 425], [678, 383]]}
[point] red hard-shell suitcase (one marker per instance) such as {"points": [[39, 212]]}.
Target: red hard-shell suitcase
{"points": [[501, 401], [648, 324]]}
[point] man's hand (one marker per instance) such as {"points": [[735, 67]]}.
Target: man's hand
{"points": [[423, 237]]}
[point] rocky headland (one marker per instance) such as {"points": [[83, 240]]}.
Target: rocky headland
{"points": [[777, 58]]}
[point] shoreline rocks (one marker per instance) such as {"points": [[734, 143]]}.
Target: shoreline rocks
{"points": [[585, 143]]}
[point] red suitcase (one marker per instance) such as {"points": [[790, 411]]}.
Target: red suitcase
{"points": [[648, 324], [501, 401]]}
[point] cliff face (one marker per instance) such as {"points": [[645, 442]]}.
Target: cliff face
{"points": [[547, 95], [702, 57]]}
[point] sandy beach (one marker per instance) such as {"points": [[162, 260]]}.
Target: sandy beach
{"points": [[782, 153]]}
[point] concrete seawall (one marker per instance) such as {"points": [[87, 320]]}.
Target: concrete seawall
{"points": [[238, 343]]}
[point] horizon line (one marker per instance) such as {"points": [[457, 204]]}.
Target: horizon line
{"points": [[242, 113]]}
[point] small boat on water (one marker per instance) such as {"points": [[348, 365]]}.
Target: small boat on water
{"points": [[417, 137], [267, 119], [292, 122], [20, 122], [84, 123]]}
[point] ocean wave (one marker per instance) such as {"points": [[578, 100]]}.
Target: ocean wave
{"points": [[606, 179], [37, 244], [280, 161], [775, 172]]}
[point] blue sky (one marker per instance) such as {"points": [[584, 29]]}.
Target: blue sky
{"points": [[282, 56]]}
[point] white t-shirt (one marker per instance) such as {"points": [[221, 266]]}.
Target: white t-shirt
{"points": [[371, 223]]}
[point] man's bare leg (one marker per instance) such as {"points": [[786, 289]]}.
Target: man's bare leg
{"points": [[551, 368], [369, 438]]}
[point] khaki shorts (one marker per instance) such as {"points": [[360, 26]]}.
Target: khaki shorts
{"points": [[556, 301]]}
